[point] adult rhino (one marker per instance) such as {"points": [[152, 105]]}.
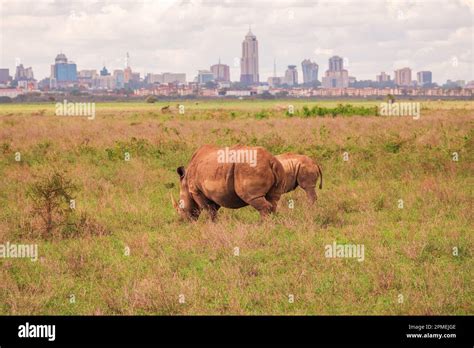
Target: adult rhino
{"points": [[229, 177], [300, 170]]}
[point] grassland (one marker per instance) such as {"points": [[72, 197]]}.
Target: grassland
{"points": [[135, 257]]}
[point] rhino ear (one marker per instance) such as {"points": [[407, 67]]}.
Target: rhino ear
{"points": [[181, 171]]}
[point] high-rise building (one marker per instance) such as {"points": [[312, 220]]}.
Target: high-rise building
{"points": [[29, 73], [383, 77], [135, 77], [221, 72], [336, 76], [22, 73], [127, 72], [4, 76], [179, 78], [104, 82], [104, 72], [86, 77], [204, 76], [63, 73], [291, 76], [153, 78], [249, 62], [310, 71], [167, 77], [403, 77], [119, 78], [336, 63], [424, 78]]}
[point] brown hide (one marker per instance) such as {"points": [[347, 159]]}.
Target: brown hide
{"points": [[300, 170], [213, 180]]}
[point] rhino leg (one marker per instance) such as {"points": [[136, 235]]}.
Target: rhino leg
{"points": [[206, 204], [273, 198], [307, 178], [212, 209], [311, 194], [263, 206]]}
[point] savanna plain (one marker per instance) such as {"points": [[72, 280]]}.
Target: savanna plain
{"points": [[402, 187]]}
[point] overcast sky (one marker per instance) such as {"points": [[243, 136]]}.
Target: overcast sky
{"points": [[184, 36]]}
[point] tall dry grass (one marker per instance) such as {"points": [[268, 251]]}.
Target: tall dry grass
{"points": [[148, 258]]}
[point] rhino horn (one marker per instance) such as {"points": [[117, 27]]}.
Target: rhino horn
{"points": [[173, 201]]}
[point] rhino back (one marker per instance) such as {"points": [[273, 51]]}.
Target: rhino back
{"points": [[231, 185], [291, 164]]}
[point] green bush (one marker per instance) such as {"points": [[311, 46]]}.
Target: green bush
{"points": [[151, 99], [341, 109]]}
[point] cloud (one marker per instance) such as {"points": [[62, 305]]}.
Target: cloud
{"points": [[185, 36]]}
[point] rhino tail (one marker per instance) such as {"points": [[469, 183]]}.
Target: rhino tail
{"points": [[321, 177]]}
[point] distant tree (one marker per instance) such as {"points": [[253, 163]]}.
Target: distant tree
{"points": [[267, 95], [211, 84], [281, 94], [5, 99], [151, 99], [21, 98], [75, 92]]}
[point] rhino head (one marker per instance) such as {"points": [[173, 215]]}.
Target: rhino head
{"points": [[187, 207]]}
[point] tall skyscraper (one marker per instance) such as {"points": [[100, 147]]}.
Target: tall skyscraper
{"points": [[403, 77], [63, 73], [336, 63], [20, 73], [221, 72], [291, 75], [249, 61], [310, 71], [336, 76], [424, 78]]}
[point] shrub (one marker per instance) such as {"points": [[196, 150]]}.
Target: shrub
{"points": [[341, 109], [53, 214], [151, 99], [51, 198], [261, 115]]}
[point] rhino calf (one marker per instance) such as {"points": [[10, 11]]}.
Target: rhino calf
{"points": [[300, 170], [229, 177]]}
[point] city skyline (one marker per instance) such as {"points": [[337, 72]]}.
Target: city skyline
{"points": [[220, 72], [287, 32]]}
